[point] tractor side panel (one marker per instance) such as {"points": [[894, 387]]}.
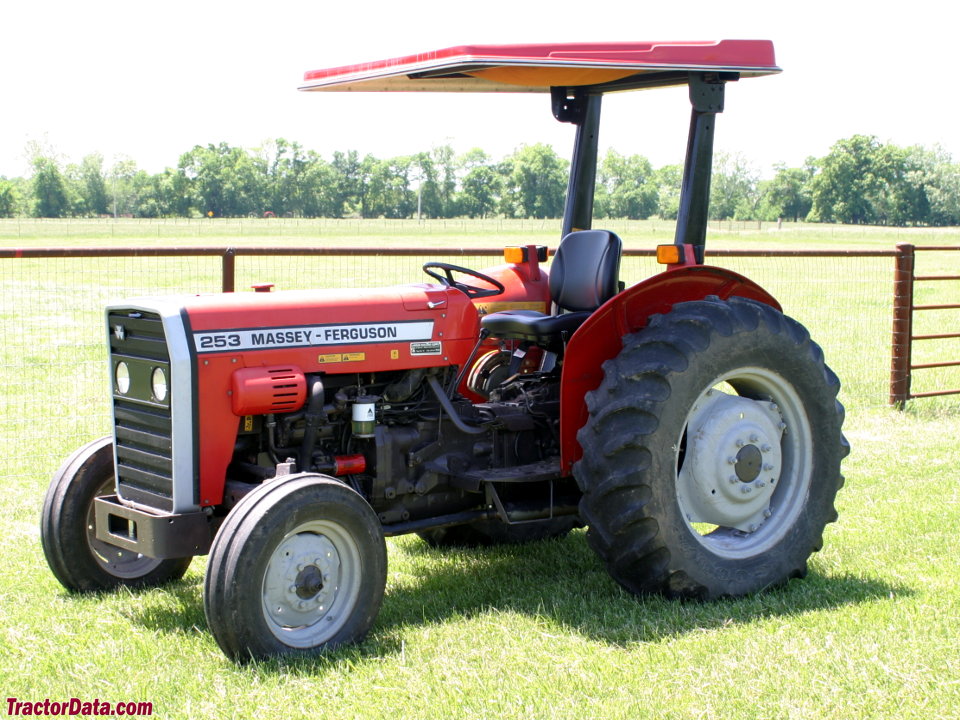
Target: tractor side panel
{"points": [[599, 338]]}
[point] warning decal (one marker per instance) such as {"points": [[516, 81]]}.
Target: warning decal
{"points": [[311, 336]]}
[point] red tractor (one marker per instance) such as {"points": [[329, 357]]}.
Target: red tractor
{"points": [[692, 427]]}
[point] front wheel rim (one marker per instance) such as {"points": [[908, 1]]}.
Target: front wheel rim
{"points": [[743, 463], [311, 584]]}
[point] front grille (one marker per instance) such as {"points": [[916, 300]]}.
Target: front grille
{"points": [[142, 423]]}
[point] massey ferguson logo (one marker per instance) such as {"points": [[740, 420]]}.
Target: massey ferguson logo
{"points": [[312, 336]]}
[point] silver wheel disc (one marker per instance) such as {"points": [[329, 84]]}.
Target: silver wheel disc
{"points": [[744, 472], [311, 584]]}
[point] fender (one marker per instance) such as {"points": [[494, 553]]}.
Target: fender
{"points": [[599, 338]]}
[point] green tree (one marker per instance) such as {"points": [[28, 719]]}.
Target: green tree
{"points": [[225, 181], [942, 188], [480, 186], [49, 189], [626, 187], [668, 180], [93, 185], [733, 188], [787, 195], [387, 187], [9, 198], [347, 190], [535, 182], [848, 181]]}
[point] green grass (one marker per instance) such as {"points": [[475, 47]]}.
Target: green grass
{"points": [[531, 632]]}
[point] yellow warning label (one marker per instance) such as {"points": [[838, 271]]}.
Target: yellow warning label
{"points": [[247, 423], [341, 357], [394, 354], [492, 307]]}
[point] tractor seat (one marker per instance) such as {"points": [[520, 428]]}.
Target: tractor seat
{"points": [[583, 276]]}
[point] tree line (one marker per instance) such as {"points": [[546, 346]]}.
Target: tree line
{"points": [[860, 181]]}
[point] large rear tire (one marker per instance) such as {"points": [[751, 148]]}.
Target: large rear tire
{"points": [[711, 457], [298, 567], [80, 561]]}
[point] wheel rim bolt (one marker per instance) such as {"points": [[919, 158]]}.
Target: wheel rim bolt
{"points": [[731, 460], [754, 438], [746, 489], [733, 479], [765, 448]]}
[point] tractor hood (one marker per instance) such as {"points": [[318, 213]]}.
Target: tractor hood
{"points": [[321, 330]]}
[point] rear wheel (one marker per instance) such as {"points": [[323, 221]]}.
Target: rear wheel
{"points": [[299, 566], [77, 558], [712, 452]]}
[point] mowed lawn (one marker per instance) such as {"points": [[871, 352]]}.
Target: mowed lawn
{"points": [[537, 631]]}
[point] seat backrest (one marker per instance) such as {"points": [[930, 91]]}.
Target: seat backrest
{"points": [[585, 270]]}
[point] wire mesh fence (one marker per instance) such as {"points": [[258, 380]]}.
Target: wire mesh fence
{"points": [[53, 364]]}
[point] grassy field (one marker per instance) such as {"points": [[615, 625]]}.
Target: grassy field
{"points": [[529, 632]]}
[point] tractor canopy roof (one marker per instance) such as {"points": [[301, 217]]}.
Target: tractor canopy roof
{"points": [[596, 67]]}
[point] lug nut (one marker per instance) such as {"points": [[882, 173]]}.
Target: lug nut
{"points": [[733, 479], [754, 438], [765, 448], [746, 489]]}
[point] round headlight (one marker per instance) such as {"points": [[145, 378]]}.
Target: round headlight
{"points": [[158, 380], [121, 376]]}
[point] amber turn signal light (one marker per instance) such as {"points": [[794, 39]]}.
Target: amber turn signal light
{"points": [[517, 255], [668, 254]]}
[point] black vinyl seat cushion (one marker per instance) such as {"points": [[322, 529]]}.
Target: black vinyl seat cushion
{"points": [[532, 325]]}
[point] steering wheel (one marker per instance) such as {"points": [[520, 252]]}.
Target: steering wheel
{"points": [[471, 291]]}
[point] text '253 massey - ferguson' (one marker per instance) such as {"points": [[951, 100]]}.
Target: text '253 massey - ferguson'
{"points": [[685, 421]]}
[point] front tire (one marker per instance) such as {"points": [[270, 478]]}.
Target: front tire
{"points": [[712, 452], [299, 566], [80, 561]]}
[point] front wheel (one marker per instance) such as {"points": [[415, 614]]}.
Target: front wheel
{"points": [[712, 452], [299, 566], [78, 559]]}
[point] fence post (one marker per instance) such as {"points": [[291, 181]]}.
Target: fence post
{"points": [[900, 345], [229, 261]]}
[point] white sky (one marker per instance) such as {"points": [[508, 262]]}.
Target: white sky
{"points": [[149, 80]]}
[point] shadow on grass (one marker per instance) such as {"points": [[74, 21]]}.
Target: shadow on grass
{"points": [[560, 581]]}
